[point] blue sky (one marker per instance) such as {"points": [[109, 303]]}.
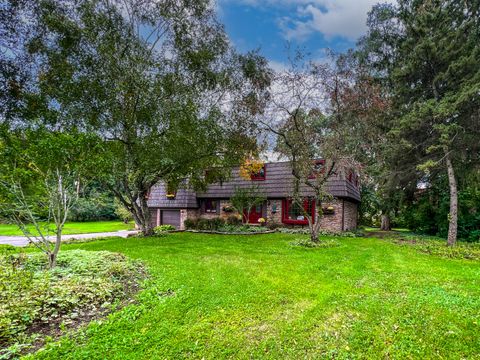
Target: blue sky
{"points": [[312, 25]]}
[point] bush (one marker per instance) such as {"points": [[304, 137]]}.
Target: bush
{"points": [[322, 232], [234, 220], [94, 206], [122, 212], [435, 246], [163, 228], [83, 285], [306, 242], [210, 224], [190, 224]]}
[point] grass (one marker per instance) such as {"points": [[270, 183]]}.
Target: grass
{"points": [[218, 296], [73, 227]]}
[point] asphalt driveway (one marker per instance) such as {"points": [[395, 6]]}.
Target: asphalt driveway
{"points": [[23, 241]]}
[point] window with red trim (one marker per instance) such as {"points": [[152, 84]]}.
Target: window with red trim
{"points": [[211, 206], [350, 176], [260, 175], [318, 168], [293, 213]]}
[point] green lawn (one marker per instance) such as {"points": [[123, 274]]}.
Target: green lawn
{"points": [[214, 297], [74, 227]]}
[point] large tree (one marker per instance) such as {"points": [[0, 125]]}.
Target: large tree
{"points": [[305, 119], [155, 80], [427, 54]]}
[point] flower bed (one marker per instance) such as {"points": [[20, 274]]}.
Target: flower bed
{"points": [[36, 303]]}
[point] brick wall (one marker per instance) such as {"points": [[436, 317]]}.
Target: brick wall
{"points": [[273, 214], [333, 222], [351, 214]]}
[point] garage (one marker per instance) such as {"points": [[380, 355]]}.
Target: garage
{"points": [[170, 217]]}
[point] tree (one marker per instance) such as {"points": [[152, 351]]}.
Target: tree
{"points": [[40, 178], [427, 53], [154, 80], [244, 199], [304, 134]]}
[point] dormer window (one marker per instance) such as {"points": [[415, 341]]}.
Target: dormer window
{"points": [[318, 168], [259, 175], [350, 176]]}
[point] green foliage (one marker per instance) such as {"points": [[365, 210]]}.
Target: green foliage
{"points": [[245, 198], [152, 104], [322, 232], [308, 243], [83, 284], [163, 228], [428, 212], [209, 224], [220, 225], [436, 246], [259, 297], [122, 212], [190, 223], [95, 206], [424, 54], [234, 220]]}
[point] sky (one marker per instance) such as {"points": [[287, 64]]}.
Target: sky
{"points": [[311, 25]]}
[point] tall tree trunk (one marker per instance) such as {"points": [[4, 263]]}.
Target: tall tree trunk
{"points": [[145, 217], [385, 225], [453, 214]]}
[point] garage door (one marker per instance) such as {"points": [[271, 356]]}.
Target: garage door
{"points": [[171, 217]]}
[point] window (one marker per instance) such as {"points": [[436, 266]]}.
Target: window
{"points": [[318, 168], [350, 175], [260, 175], [211, 206], [293, 213]]}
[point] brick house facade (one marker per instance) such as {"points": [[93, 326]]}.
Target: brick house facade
{"points": [[276, 183]]}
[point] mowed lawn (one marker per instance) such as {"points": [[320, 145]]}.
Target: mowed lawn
{"points": [[247, 297], [72, 227]]}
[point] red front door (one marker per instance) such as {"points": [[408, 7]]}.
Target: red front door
{"points": [[255, 214]]}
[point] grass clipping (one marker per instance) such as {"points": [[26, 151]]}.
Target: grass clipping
{"points": [[37, 305]]}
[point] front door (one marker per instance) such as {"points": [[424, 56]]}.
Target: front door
{"points": [[255, 214]]}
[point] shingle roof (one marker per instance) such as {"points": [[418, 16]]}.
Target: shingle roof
{"points": [[278, 183]]}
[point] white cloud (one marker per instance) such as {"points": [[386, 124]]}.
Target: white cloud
{"points": [[344, 18]]}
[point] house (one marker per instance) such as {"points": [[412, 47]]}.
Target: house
{"points": [[275, 180]]}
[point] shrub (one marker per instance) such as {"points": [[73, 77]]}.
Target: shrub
{"points": [[210, 224], [190, 223], [163, 228], [94, 206], [234, 220], [322, 232], [122, 212], [84, 284]]}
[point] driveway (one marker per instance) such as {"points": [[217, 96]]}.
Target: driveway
{"points": [[22, 240]]}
